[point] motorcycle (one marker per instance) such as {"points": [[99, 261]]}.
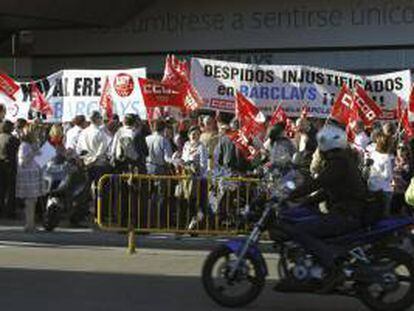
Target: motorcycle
{"points": [[370, 266], [68, 191]]}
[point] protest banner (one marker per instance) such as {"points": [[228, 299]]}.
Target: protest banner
{"points": [[78, 92], [293, 86]]}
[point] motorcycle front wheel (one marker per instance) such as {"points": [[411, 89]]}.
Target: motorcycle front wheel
{"points": [[245, 286], [393, 289]]}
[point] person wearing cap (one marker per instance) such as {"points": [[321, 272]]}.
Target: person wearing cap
{"points": [[93, 146], [9, 146]]}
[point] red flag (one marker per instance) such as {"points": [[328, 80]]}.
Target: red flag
{"points": [[39, 102], [343, 106], [177, 76], [159, 94], [8, 86], [411, 106], [242, 143], [408, 129], [368, 108], [252, 120], [106, 103], [279, 116], [350, 127]]}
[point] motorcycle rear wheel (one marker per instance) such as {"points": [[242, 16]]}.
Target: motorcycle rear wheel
{"points": [[374, 295], [218, 292]]}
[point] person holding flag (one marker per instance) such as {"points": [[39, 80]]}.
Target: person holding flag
{"points": [[39, 106], [361, 139]]}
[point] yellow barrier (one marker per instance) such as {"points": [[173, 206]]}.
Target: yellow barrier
{"points": [[174, 204]]}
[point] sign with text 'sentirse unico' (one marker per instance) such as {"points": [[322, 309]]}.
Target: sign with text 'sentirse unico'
{"points": [[78, 92], [291, 86]]}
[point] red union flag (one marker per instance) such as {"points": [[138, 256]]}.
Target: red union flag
{"points": [[177, 76], [174, 75], [405, 122], [368, 108], [252, 120], [159, 94], [39, 102], [8, 86], [279, 116], [411, 106], [106, 103], [242, 143], [343, 106], [350, 127]]}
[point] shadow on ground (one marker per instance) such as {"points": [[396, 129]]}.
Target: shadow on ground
{"points": [[83, 291]]}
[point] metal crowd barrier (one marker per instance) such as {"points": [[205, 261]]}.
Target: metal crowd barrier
{"points": [[174, 204]]}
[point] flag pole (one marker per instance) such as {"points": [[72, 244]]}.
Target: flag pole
{"points": [[400, 129]]}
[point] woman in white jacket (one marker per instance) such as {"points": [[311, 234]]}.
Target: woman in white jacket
{"points": [[194, 159], [381, 172]]}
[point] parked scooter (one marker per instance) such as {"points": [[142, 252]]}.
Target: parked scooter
{"points": [[68, 192]]}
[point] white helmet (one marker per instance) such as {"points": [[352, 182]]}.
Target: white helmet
{"points": [[331, 137]]}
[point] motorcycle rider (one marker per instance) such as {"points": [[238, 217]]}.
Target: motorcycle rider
{"points": [[342, 188]]}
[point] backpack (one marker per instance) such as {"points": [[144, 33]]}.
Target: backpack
{"points": [[126, 150]]}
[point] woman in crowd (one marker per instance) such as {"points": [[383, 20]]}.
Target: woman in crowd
{"points": [[56, 135], [29, 176], [381, 172], [195, 162], [401, 178]]}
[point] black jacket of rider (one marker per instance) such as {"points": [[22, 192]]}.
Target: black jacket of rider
{"points": [[341, 182]]}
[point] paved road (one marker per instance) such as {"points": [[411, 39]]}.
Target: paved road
{"points": [[73, 270]]}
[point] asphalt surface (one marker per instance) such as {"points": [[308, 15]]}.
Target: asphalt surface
{"points": [[87, 270]]}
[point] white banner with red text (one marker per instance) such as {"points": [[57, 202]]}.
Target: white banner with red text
{"points": [[78, 92], [292, 86]]}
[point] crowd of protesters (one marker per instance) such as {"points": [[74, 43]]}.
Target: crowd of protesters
{"points": [[198, 145]]}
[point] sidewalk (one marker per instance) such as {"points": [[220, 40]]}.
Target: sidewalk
{"points": [[12, 232]]}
